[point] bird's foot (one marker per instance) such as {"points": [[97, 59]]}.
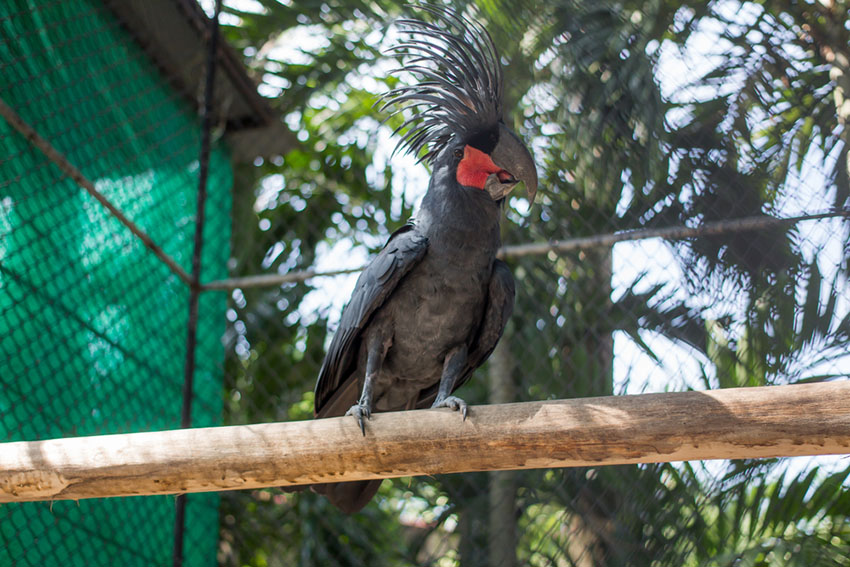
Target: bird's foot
{"points": [[454, 403], [360, 411]]}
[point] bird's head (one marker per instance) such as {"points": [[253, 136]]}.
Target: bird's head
{"points": [[457, 105]]}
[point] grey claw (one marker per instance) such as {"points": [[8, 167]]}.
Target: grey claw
{"points": [[453, 403], [359, 412]]}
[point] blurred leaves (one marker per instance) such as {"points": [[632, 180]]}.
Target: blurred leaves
{"points": [[622, 142]]}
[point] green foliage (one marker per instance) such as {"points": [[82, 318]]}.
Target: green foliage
{"points": [[617, 151]]}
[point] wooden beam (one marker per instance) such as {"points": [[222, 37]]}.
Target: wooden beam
{"points": [[777, 421]]}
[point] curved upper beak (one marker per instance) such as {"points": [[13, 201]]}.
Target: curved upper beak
{"points": [[517, 165]]}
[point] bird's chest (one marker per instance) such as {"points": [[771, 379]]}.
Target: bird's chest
{"points": [[449, 303], [436, 309]]}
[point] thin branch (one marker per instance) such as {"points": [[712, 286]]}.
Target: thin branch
{"points": [[670, 233], [272, 280], [55, 156], [557, 246], [740, 423]]}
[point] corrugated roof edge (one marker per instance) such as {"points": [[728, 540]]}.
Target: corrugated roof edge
{"points": [[174, 35]]}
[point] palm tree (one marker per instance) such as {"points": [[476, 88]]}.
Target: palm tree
{"points": [[624, 156], [618, 151]]}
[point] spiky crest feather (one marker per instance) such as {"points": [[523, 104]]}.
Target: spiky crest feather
{"points": [[460, 91]]}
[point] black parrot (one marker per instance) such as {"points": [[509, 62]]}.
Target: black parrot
{"points": [[431, 306]]}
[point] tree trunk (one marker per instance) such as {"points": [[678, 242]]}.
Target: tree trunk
{"points": [[472, 523], [589, 353], [592, 362], [828, 28], [503, 517]]}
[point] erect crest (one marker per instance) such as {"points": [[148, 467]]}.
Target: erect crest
{"points": [[460, 87]]}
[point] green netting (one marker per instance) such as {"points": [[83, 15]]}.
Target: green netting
{"points": [[92, 325]]}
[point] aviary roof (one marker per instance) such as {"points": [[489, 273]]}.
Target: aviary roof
{"points": [[174, 34]]}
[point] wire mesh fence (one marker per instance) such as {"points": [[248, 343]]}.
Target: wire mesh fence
{"points": [[92, 324], [690, 232]]}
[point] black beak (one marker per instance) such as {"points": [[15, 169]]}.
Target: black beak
{"points": [[517, 165]]}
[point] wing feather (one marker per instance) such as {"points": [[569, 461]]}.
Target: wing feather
{"points": [[405, 249]]}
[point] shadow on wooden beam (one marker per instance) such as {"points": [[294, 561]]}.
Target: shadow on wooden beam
{"points": [[777, 421]]}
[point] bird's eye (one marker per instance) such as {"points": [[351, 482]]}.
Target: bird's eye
{"points": [[458, 153]]}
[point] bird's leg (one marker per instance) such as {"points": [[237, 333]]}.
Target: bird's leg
{"points": [[363, 408], [453, 365], [374, 359]]}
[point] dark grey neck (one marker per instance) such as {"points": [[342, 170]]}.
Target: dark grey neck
{"points": [[457, 216]]}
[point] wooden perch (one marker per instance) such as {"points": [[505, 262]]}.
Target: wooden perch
{"points": [[778, 421]]}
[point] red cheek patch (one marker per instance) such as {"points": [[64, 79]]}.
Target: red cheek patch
{"points": [[475, 167]]}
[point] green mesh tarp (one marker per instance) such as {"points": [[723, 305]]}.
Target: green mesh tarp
{"points": [[93, 325]]}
